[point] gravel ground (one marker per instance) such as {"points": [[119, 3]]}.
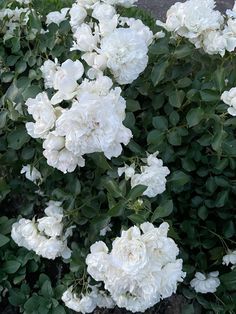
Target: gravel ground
{"points": [[159, 7]]}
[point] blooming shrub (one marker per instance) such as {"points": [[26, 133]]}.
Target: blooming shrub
{"points": [[118, 157]]}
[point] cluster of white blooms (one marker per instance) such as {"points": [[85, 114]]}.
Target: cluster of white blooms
{"points": [[104, 42], [93, 123], [153, 175], [45, 236], [201, 24], [32, 174], [12, 19], [141, 268], [230, 258], [87, 303], [229, 98], [205, 283], [92, 120]]}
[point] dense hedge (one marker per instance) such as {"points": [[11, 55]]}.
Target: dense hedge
{"points": [[174, 107]]}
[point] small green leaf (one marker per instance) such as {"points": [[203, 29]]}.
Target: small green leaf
{"points": [[158, 72], [229, 280], [3, 240], [11, 267], [194, 116], [163, 210], [176, 98], [136, 192]]}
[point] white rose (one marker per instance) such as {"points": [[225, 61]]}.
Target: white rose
{"points": [[103, 11], [63, 160], [77, 16], [230, 258], [56, 16], [65, 80], [54, 142], [229, 98], [31, 173], [125, 59], [95, 123], [97, 261], [214, 42], [43, 113], [171, 274], [50, 248], [54, 209], [129, 171], [205, 283], [84, 39], [49, 69], [129, 251], [51, 226]]}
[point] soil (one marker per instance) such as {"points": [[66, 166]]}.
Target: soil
{"points": [[172, 305], [158, 8]]}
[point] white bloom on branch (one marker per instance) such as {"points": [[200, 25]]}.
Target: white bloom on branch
{"points": [[32, 174], [43, 113], [57, 16], [230, 258], [88, 302], [77, 16], [94, 124], [126, 59], [205, 283], [192, 18], [153, 175], [229, 98], [45, 236], [140, 269]]}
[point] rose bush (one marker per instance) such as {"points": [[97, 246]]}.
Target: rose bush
{"points": [[118, 157]]}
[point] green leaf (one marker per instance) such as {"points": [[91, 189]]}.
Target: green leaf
{"points": [[136, 192], [112, 187], [160, 123], [176, 98], [158, 72], [132, 105], [209, 96], [21, 66], [3, 240], [137, 218], [194, 116], [46, 289], [155, 137], [17, 138], [3, 119], [183, 51], [164, 210], [229, 229], [179, 178], [229, 280], [11, 267]]}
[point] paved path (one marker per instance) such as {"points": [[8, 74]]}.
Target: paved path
{"points": [[159, 7]]}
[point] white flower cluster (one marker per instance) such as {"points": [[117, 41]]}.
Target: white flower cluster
{"points": [[93, 119], [205, 27], [153, 175], [13, 19], [45, 236], [206, 283], [104, 42], [93, 123], [230, 258], [141, 268], [229, 98], [32, 174], [88, 302]]}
